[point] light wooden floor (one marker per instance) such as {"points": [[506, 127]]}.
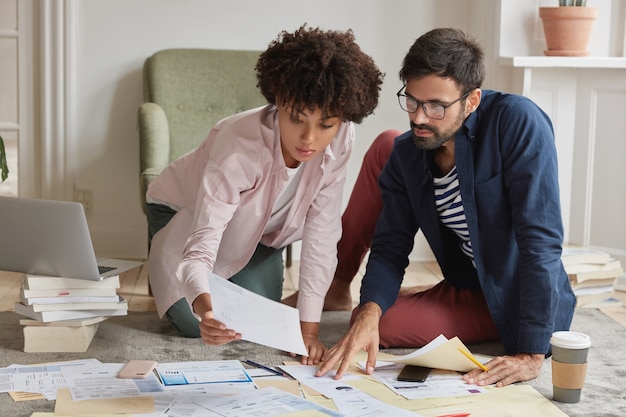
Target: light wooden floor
{"points": [[134, 287]]}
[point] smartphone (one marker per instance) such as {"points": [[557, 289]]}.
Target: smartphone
{"points": [[137, 369], [412, 373]]}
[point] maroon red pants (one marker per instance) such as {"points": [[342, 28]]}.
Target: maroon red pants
{"points": [[414, 320]]}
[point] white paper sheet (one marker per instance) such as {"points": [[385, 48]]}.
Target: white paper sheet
{"points": [[203, 372], [258, 319], [325, 385], [440, 353], [360, 404], [440, 383], [88, 382], [268, 402], [350, 401], [43, 379]]}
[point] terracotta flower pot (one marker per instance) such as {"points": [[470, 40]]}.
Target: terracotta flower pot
{"points": [[567, 29]]}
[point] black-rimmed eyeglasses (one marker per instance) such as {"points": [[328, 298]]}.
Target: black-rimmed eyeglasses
{"points": [[432, 110]]}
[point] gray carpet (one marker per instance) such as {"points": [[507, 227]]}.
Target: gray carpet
{"points": [[144, 336]]}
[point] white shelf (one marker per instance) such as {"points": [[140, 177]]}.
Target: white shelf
{"points": [[563, 62]]}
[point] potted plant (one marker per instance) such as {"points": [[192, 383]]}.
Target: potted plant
{"points": [[4, 169], [568, 27]]}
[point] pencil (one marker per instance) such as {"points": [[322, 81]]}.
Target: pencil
{"points": [[473, 359], [266, 368]]}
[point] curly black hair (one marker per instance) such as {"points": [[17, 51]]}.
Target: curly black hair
{"points": [[312, 68]]}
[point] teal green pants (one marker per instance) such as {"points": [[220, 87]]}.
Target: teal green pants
{"points": [[262, 275]]}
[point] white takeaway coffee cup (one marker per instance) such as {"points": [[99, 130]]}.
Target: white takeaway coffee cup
{"points": [[569, 365]]}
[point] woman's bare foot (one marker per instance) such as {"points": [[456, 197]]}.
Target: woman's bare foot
{"points": [[338, 298], [291, 300]]}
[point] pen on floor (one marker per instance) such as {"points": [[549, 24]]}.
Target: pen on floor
{"points": [[455, 414], [266, 368], [286, 374], [471, 358]]}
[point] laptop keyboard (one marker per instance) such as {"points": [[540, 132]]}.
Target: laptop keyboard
{"points": [[103, 269]]}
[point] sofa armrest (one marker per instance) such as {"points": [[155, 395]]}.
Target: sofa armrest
{"points": [[154, 136], [145, 179], [154, 144]]}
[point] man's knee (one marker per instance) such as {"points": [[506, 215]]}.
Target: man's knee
{"points": [[381, 147], [385, 139]]}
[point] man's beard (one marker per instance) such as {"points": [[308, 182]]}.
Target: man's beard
{"points": [[430, 143], [439, 138]]}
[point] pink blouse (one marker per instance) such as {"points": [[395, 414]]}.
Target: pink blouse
{"points": [[225, 190]]}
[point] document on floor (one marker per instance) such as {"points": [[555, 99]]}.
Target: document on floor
{"points": [[44, 379], [440, 353], [258, 319], [268, 402], [92, 382], [349, 400], [203, 372], [439, 383]]}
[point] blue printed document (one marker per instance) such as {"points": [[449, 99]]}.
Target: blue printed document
{"points": [[202, 372]]}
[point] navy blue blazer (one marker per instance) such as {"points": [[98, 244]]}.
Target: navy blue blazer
{"points": [[507, 169]]}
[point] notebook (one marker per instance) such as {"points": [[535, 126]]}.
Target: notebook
{"points": [[49, 237]]}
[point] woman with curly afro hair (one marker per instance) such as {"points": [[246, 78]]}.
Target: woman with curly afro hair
{"points": [[262, 179]]}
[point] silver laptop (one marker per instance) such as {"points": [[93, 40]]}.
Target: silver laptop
{"points": [[46, 237]]}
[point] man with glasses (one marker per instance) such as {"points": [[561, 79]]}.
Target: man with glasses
{"points": [[477, 173]]}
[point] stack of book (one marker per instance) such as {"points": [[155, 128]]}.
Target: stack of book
{"points": [[620, 287], [63, 314], [593, 274]]}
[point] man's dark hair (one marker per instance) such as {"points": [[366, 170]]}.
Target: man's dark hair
{"points": [[448, 53], [326, 69]]}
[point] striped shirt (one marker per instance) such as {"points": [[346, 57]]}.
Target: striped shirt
{"points": [[450, 209]]}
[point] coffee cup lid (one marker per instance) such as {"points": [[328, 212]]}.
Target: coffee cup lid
{"points": [[570, 340]]}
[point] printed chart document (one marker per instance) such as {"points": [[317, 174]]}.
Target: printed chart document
{"points": [[203, 372], [348, 399], [43, 379], [268, 402], [325, 385], [258, 319], [439, 383], [120, 407], [88, 382]]}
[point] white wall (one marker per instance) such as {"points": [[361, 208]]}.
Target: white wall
{"points": [[111, 38], [79, 87], [522, 29], [584, 97]]}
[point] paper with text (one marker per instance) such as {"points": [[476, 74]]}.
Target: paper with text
{"points": [[88, 382], [440, 353], [203, 372], [44, 379], [258, 319], [131, 406], [349, 400], [268, 402], [440, 383]]}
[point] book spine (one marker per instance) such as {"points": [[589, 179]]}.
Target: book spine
{"points": [[67, 300], [70, 292], [33, 282], [60, 315], [58, 339], [78, 306]]}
